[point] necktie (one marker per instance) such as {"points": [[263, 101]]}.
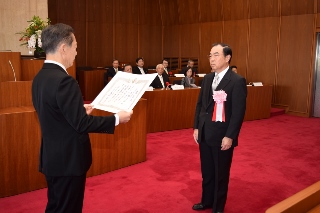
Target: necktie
{"points": [[161, 79], [215, 82]]}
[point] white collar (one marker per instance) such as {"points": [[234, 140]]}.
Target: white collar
{"points": [[57, 63]]}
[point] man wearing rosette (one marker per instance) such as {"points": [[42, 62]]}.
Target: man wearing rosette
{"points": [[218, 119]]}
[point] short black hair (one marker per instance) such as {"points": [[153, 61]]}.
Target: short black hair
{"points": [[226, 49], [233, 66], [139, 58], [53, 35]]}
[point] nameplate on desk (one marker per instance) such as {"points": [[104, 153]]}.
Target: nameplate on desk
{"points": [[201, 74], [257, 84], [177, 87], [179, 75]]}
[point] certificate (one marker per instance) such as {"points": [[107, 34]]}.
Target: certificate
{"points": [[123, 92]]}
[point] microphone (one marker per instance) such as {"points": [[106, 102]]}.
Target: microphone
{"points": [[168, 85], [14, 73]]}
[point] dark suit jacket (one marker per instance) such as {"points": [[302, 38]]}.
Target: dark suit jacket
{"points": [[235, 87], [185, 82], [112, 71], [135, 70], [65, 144], [156, 83], [164, 72]]}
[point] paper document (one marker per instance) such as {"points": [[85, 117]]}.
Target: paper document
{"points": [[123, 92]]}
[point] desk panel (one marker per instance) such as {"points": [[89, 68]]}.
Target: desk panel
{"points": [[258, 102], [30, 68], [170, 109], [20, 144], [91, 83]]}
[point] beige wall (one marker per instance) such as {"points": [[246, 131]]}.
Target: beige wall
{"points": [[14, 15]]}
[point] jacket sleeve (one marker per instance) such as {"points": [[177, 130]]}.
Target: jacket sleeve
{"points": [[70, 102], [239, 95]]}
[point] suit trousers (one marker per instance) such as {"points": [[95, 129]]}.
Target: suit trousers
{"points": [[215, 168], [65, 194]]}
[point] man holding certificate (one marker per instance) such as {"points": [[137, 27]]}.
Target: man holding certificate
{"points": [[65, 153]]}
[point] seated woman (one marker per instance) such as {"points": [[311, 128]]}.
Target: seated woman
{"points": [[188, 81]]}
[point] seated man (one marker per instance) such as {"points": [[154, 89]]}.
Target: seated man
{"points": [[112, 71], [127, 68], [160, 80], [139, 68], [165, 64], [189, 65]]}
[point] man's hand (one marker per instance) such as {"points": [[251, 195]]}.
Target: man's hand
{"points": [[124, 116], [195, 135], [89, 108], [226, 143]]}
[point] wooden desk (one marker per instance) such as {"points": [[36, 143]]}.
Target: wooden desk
{"points": [[20, 141], [170, 109], [91, 83], [258, 102], [174, 109], [30, 67]]}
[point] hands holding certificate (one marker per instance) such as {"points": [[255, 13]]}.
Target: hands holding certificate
{"points": [[124, 116]]}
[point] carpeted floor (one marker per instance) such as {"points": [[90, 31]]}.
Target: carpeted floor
{"points": [[276, 158]]}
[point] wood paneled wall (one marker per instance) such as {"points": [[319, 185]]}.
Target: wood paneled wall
{"points": [[273, 41]]}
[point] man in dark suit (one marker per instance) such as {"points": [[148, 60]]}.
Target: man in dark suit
{"points": [[139, 68], [217, 126], [165, 64], [160, 80], [189, 65], [65, 152], [112, 71]]}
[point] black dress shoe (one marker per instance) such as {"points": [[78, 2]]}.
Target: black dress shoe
{"points": [[200, 206]]}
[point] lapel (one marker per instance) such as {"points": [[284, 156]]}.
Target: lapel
{"points": [[208, 89], [224, 81]]}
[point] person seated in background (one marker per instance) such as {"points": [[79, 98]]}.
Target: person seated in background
{"points": [[160, 80], [234, 68], [112, 71], [127, 68], [139, 68], [165, 64], [188, 81], [189, 65]]}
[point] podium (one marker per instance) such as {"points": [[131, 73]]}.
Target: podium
{"points": [[20, 133]]}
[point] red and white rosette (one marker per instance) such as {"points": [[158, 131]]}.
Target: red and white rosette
{"points": [[219, 97]]}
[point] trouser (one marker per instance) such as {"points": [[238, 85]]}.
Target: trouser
{"points": [[65, 194], [215, 168]]}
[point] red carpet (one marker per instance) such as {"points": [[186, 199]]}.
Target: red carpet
{"points": [[276, 158]]}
